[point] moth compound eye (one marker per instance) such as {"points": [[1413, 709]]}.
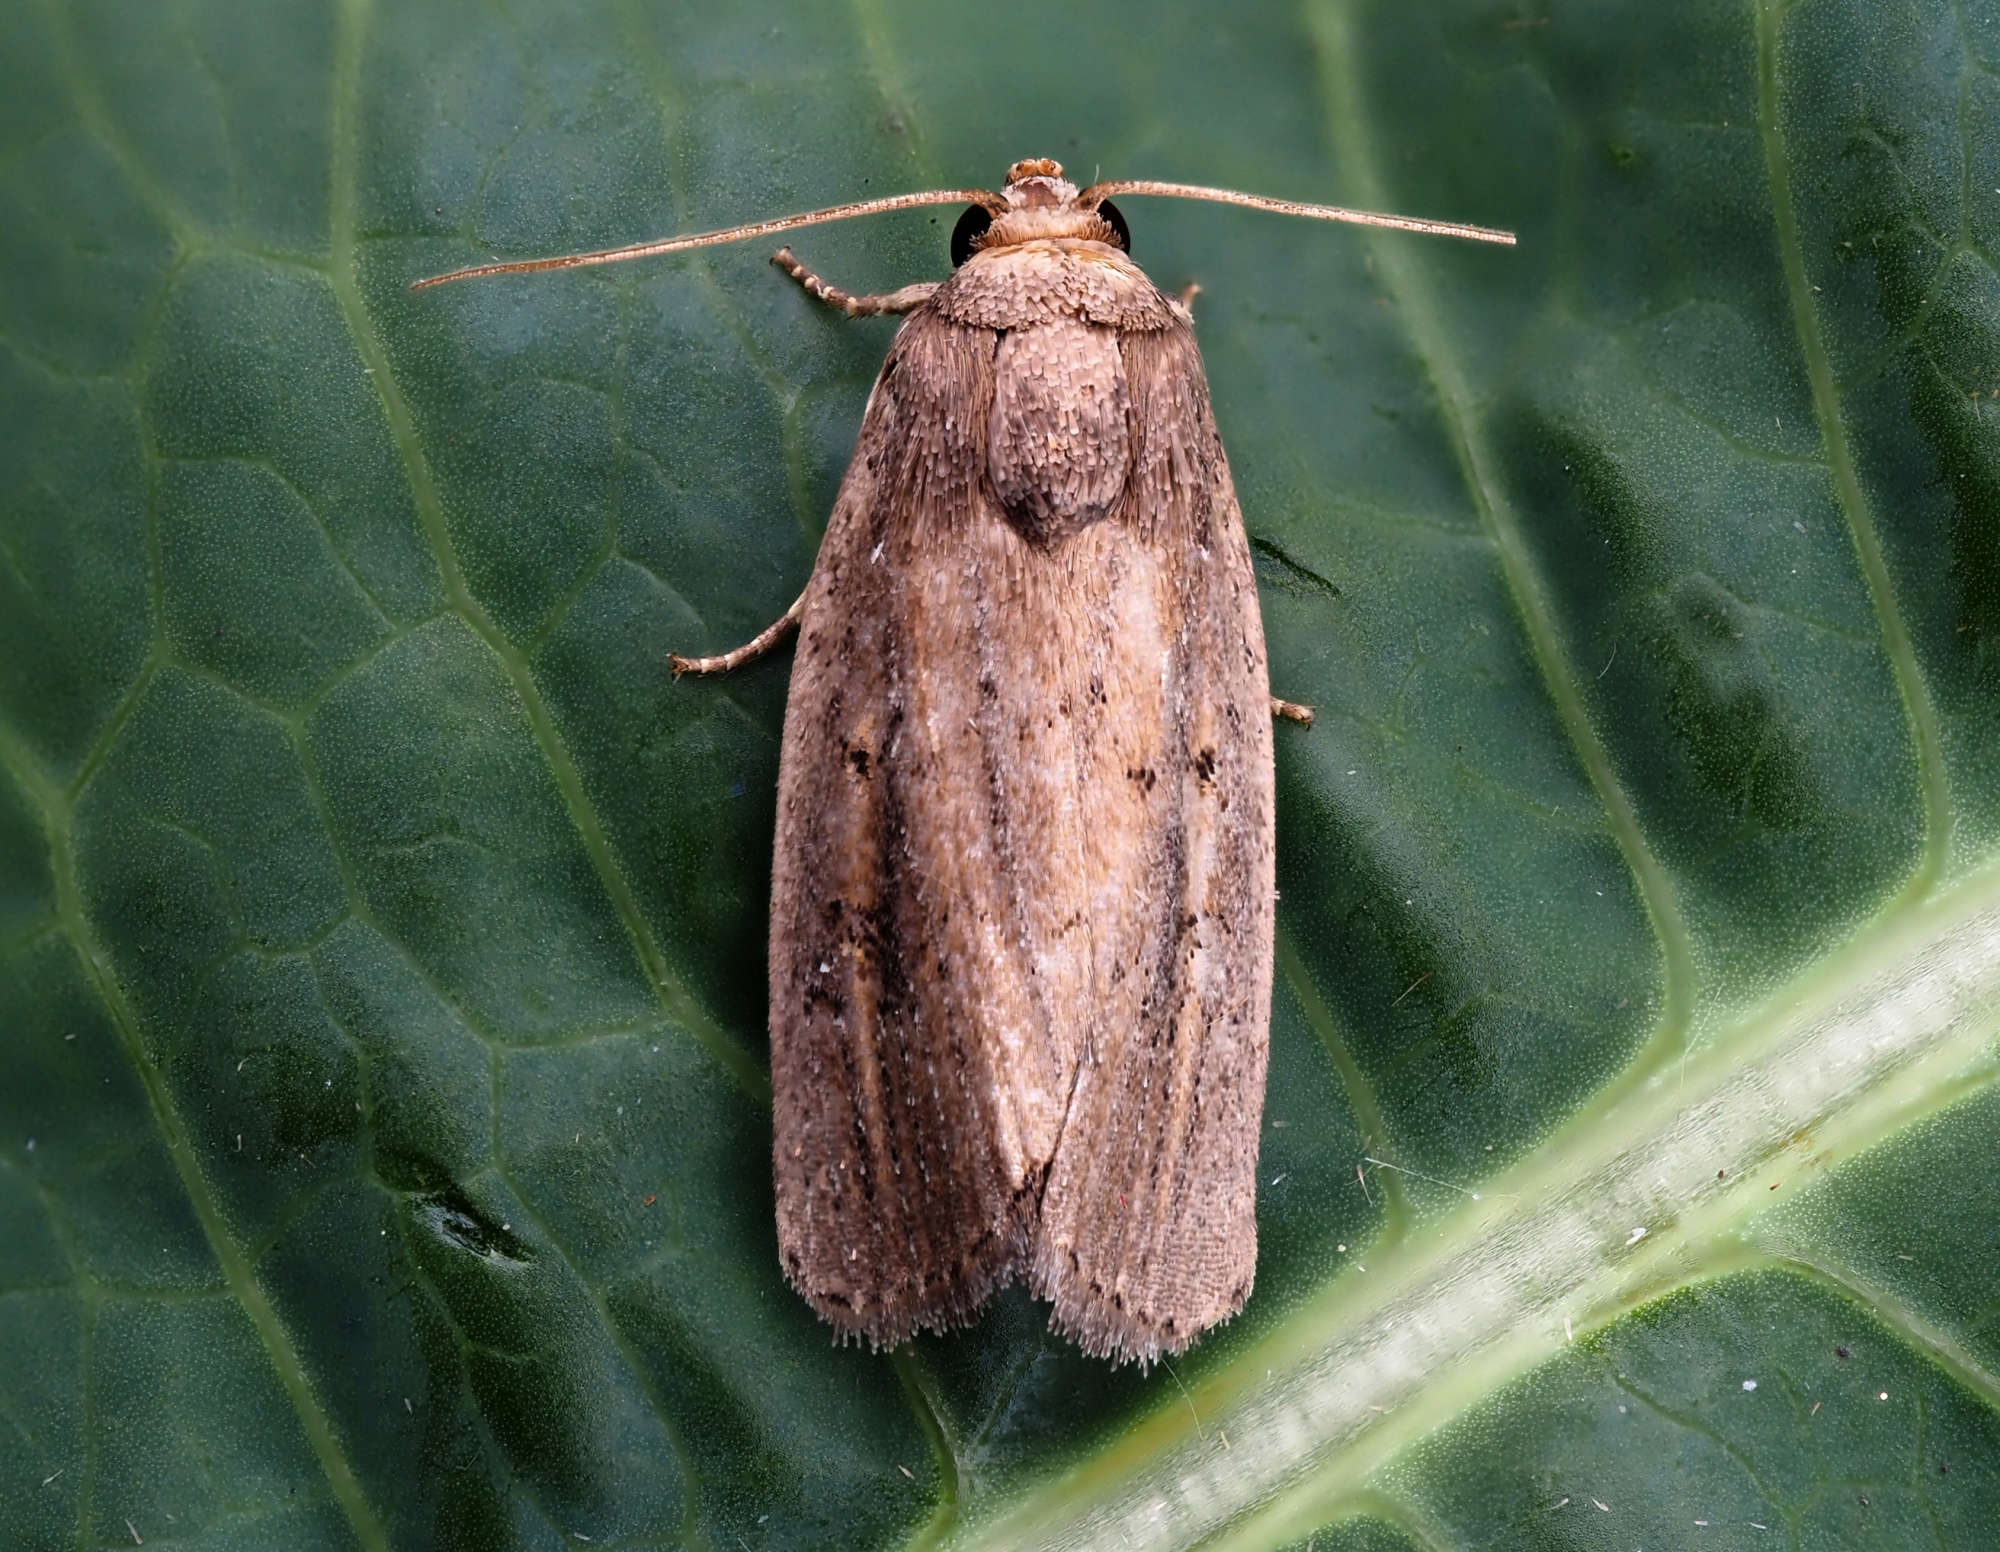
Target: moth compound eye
{"points": [[971, 227], [1120, 232]]}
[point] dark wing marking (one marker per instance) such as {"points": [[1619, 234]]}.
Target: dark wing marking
{"points": [[1148, 1228]]}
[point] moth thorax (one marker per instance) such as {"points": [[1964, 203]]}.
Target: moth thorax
{"points": [[1058, 446], [1020, 226]]}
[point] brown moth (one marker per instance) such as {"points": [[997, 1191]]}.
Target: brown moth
{"points": [[1022, 896]]}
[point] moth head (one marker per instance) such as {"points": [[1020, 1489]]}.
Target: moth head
{"points": [[1036, 201]]}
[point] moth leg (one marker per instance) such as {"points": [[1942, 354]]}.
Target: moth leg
{"points": [[1187, 295], [1292, 711], [844, 301], [755, 647]]}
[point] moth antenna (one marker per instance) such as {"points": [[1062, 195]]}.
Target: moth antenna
{"points": [[727, 234], [1093, 196]]}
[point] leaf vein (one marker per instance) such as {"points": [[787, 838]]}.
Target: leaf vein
{"points": [[1933, 779], [1327, 25]]}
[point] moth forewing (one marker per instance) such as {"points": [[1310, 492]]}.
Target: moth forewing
{"points": [[1148, 1228], [1025, 810], [1022, 886]]}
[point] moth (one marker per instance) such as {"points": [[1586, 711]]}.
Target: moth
{"points": [[1022, 895]]}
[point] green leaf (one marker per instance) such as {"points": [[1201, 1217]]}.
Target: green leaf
{"points": [[383, 1112]]}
